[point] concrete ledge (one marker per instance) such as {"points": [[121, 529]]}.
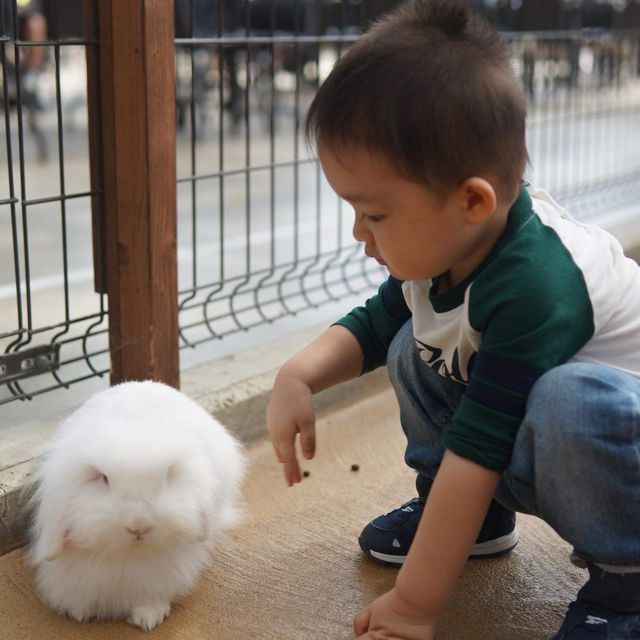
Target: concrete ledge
{"points": [[235, 389]]}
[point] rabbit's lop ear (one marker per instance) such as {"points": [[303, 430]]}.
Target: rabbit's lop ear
{"points": [[51, 544], [51, 538]]}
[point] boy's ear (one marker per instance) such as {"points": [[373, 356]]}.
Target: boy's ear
{"points": [[478, 198]]}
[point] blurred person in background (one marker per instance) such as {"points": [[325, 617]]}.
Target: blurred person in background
{"points": [[32, 26]]}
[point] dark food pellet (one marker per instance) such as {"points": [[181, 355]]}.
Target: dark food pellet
{"points": [[355, 467], [306, 473]]}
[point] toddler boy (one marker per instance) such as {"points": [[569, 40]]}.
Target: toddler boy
{"points": [[511, 332]]}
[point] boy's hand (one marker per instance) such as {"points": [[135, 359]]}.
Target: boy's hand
{"points": [[391, 618], [333, 357], [290, 412], [453, 514]]}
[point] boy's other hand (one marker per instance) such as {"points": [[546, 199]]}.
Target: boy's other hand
{"points": [[290, 412], [390, 617]]}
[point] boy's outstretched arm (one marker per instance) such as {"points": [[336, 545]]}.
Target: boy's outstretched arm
{"points": [[456, 507], [334, 357]]}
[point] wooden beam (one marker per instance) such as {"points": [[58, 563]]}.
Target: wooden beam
{"points": [[137, 106], [96, 169]]}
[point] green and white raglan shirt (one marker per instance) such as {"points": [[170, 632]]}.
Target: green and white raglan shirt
{"points": [[552, 290]]}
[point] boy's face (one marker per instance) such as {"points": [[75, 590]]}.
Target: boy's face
{"points": [[403, 225]]}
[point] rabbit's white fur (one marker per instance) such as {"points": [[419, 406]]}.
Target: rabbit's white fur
{"points": [[132, 492]]}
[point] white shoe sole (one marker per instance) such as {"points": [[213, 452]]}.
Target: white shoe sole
{"points": [[495, 547], [488, 549]]}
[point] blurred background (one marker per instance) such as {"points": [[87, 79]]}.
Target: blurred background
{"points": [[264, 246]]}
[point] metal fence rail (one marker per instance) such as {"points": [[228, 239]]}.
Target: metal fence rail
{"points": [[261, 236]]}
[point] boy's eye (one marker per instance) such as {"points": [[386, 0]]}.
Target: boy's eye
{"points": [[372, 218]]}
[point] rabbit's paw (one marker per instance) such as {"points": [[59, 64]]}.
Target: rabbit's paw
{"points": [[149, 616], [81, 615]]}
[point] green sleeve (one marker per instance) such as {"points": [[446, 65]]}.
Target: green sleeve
{"points": [[533, 312], [376, 322]]}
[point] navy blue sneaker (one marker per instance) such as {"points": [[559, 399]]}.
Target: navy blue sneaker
{"points": [[387, 538], [607, 608]]}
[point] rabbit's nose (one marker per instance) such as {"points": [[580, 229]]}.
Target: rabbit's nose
{"points": [[139, 527]]}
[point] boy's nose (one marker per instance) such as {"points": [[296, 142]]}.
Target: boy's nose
{"points": [[358, 230]]}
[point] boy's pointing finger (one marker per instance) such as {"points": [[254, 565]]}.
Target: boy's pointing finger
{"points": [[288, 458], [292, 471], [276, 450]]}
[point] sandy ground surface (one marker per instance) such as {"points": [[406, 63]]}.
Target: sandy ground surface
{"points": [[293, 569]]}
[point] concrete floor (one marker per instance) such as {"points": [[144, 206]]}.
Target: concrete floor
{"points": [[293, 569]]}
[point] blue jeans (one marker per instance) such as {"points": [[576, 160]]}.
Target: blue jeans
{"points": [[576, 459]]}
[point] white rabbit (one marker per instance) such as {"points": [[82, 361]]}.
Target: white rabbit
{"points": [[132, 492]]}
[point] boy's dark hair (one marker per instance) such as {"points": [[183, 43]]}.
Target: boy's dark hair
{"points": [[430, 86]]}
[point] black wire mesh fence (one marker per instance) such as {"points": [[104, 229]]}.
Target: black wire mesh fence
{"points": [[584, 119], [261, 237], [52, 324]]}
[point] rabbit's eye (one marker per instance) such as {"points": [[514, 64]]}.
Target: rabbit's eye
{"points": [[96, 476], [100, 477]]}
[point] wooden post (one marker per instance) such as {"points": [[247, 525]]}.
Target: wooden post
{"points": [[96, 169], [137, 113]]}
